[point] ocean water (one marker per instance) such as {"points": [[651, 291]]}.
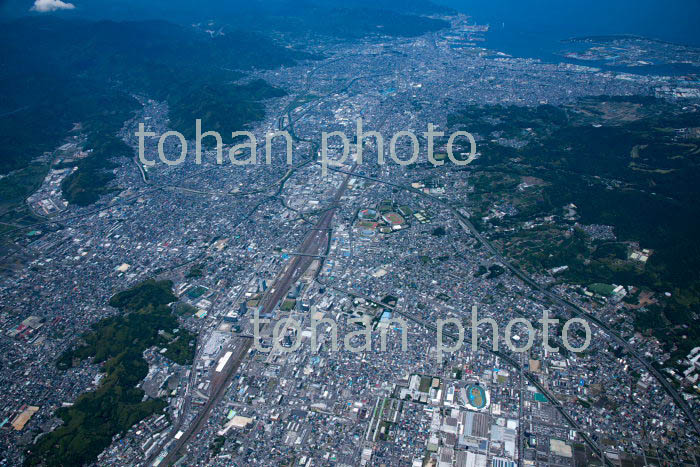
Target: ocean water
{"points": [[536, 28]]}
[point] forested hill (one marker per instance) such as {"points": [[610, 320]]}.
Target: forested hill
{"points": [[57, 72], [62, 69]]}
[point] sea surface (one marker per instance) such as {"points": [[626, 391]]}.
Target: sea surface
{"points": [[536, 28]]}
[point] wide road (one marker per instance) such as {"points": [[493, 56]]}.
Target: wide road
{"points": [[572, 307], [314, 242]]}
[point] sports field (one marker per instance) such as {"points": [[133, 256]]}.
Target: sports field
{"points": [[477, 396], [394, 218]]}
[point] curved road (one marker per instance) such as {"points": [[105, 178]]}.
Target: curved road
{"points": [[575, 309]]}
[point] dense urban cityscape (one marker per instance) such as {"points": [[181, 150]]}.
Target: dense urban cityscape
{"points": [[351, 273]]}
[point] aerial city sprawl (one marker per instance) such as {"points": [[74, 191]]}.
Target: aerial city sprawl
{"points": [[346, 234]]}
